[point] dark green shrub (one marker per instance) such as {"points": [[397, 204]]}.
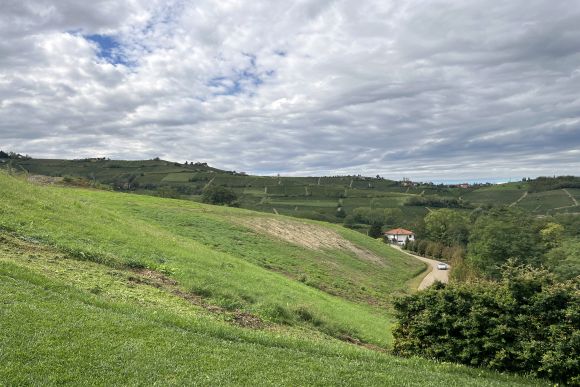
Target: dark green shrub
{"points": [[219, 195], [526, 323], [229, 301], [306, 315], [422, 247], [375, 230]]}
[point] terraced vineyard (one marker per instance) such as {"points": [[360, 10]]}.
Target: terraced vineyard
{"points": [[303, 197], [494, 196], [543, 202]]}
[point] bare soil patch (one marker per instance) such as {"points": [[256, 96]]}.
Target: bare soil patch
{"points": [[309, 236], [44, 180]]}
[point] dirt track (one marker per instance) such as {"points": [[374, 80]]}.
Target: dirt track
{"points": [[433, 275]]}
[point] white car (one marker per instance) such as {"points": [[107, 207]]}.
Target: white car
{"points": [[442, 266]]}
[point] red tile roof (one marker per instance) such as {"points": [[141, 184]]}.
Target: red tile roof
{"points": [[399, 231]]}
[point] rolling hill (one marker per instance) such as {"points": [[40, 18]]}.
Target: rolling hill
{"points": [[100, 287], [317, 198]]}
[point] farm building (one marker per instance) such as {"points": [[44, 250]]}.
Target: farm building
{"points": [[399, 235]]}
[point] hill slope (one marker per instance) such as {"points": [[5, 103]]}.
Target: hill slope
{"points": [[141, 290], [342, 286], [317, 198], [74, 322]]}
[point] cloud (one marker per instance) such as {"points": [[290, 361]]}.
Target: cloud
{"points": [[427, 90]]}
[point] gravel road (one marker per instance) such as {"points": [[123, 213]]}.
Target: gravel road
{"points": [[434, 273]]}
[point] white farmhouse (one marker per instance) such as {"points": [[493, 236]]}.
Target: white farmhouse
{"points": [[399, 235]]}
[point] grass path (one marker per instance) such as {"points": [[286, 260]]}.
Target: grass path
{"points": [[209, 183], [519, 199], [570, 196]]}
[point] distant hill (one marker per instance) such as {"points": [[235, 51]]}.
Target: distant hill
{"points": [[327, 198]]}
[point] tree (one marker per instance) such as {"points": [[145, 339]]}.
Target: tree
{"points": [[500, 235], [375, 231], [552, 234], [219, 195], [564, 260], [392, 217], [447, 226]]}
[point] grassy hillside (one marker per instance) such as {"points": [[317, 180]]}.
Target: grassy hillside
{"points": [[281, 270], [115, 289], [66, 321]]}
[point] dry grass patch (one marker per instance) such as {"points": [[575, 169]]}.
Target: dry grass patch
{"points": [[309, 236]]}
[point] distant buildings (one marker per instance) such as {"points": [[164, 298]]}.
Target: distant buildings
{"points": [[399, 235], [406, 182], [462, 185]]}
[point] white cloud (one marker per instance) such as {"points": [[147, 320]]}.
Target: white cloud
{"points": [[411, 88]]}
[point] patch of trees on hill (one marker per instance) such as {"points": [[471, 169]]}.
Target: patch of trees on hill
{"points": [[479, 243], [445, 236], [437, 202], [13, 156], [215, 194]]}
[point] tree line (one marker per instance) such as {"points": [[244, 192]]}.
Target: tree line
{"points": [[513, 303], [13, 156]]}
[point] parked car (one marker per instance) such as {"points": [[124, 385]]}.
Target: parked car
{"points": [[442, 266]]}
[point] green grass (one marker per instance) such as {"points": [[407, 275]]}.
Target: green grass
{"points": [[387, 200], [181, 177], [206, 250], [72, 322]]}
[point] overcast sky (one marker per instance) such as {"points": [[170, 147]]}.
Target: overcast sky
{"points": [[425, 89]]}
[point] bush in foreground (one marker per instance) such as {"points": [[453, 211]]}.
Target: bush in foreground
{"points": [[526, 323]]}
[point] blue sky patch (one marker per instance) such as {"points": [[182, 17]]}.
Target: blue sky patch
{"points": [[109, 48]]}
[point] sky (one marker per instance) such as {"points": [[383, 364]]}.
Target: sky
{"points": [[425, 89]]}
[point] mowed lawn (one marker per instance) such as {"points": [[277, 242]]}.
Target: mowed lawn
{"points": [[210, 255], [71, 322]]}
